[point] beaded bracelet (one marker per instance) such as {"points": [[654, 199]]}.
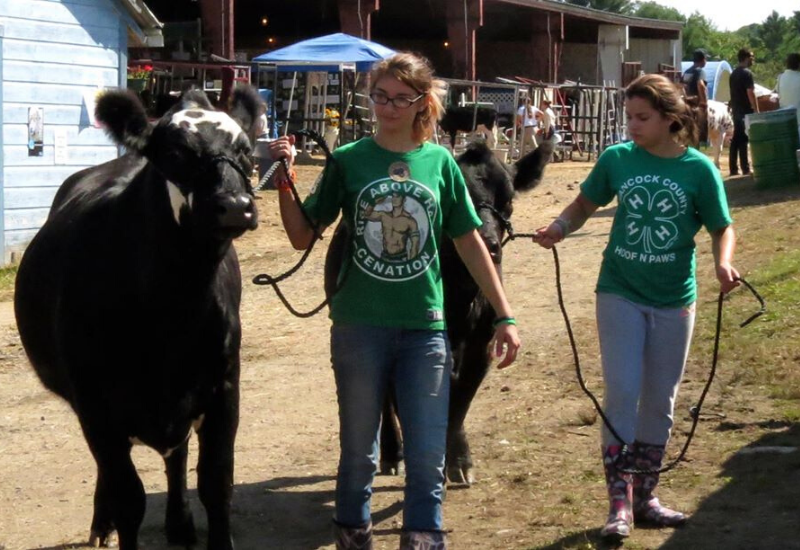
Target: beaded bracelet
{"points": [[503, 321]]}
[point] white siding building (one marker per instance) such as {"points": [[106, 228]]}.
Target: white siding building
{"points": [[55, 55]]}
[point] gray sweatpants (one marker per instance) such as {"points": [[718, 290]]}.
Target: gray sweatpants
{"points": [[644, 352]]}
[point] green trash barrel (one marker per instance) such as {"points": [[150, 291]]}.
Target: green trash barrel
{"points": [[774, 141]]}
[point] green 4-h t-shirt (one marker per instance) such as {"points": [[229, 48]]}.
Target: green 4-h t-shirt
{"points": [[396, 207], [662, 203]]}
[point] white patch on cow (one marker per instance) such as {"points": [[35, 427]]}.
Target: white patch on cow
{"points": [[177, 201], [224, 123], [720, 123]]}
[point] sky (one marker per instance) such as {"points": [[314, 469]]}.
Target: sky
{"points": [[729, 15]]}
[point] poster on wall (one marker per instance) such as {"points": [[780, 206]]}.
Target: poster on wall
{"points": [[35, 132]]}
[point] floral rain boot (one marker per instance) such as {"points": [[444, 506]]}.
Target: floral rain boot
{"points": [[646, 507], [620, 496], [352, 538], [423, 540]]}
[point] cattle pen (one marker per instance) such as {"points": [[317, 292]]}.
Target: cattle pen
{"points": [[589, 118]]}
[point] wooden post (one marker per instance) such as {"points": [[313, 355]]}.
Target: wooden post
{"points": [[354, 23], [217, 18], [463, 19]]}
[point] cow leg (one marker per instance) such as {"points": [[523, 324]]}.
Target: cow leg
{"points": [[715, 138], [473, 366], [215, 465], [391, 437], [103, 533], [119, 496], [179, 523]]}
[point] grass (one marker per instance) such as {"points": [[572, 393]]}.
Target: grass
{"points": [[7, 277], [766, 353]]}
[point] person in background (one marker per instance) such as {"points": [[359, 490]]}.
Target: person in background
{"points": [[647, 289], [788, 87], [388, 314], [696, 90], [742, 103], [528, 117], [548, 119]]}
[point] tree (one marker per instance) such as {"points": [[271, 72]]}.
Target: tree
{"points": [[696, 34], [624, 7], [654, 10]]}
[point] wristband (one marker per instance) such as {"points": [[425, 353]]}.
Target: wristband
{"points": [[564, 225], [286, 184], [503, 321]]}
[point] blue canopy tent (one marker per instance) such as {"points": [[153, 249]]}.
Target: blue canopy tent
{"points": [[337, 52], [328, 52]]}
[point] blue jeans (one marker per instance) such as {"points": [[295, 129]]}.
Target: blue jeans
{"points": [[644, 352], [418, 363]]}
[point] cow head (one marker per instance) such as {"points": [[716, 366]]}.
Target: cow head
{"points": [[492, 186], [201, 154]]}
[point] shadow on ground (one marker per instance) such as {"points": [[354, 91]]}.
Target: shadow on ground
{"points": [[758, 508], [743, 191], [290, 513]]}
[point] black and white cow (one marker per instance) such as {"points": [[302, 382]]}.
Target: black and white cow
{"points": [[492, 186], [127, 303], [466, 119], [720, 124]]}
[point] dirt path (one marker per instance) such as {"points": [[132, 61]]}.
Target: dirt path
{"points": [[538, 474]]}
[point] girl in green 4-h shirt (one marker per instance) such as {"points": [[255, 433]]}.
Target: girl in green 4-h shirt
{"points": [[398, 195], [646, 291]]}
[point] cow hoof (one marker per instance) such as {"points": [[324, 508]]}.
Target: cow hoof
{"points": [[180, 531], [108, 539], [391, 468], [460, 475]]}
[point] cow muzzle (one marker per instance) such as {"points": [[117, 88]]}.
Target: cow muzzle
{"points": [[238, 212]]}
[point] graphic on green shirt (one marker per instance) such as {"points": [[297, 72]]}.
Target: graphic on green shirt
{"points": [[393, 237], [648, 220]]}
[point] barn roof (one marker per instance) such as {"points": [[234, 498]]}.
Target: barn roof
{"points": [[596, 15], [147, 29]]}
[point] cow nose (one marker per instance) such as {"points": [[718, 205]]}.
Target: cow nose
{"points": [[238, 212]]}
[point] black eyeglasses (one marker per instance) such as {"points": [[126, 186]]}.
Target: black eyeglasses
{"points": [[401, 102]]}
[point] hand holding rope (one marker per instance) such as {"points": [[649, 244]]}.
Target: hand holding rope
{"points": [[289, 184]]}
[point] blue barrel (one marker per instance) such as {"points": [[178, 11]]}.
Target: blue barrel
{"points": [[774, 141]]}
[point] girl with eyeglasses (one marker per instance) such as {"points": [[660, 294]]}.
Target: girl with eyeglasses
{"points": [[399, 195]]}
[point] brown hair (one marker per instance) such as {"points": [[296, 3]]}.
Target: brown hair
{"points": [[665, 97], [415, 71]]}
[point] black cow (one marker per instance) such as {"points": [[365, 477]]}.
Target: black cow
{"points": [[466, 119], [492, 186], [127, 303]]}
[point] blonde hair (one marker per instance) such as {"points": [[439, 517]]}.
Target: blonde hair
{"points": [[415, 71], [666, 98]]}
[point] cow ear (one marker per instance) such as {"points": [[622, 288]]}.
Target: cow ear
{"points": [[124, 118], [244, 106]]}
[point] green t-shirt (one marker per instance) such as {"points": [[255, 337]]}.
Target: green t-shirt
{"points": [[396, 206], [662, 203]]}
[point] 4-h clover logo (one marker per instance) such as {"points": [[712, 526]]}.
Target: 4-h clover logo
{"points": [[648, 218]]}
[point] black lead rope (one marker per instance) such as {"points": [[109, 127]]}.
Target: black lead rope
{"points": [[264, 278], [694, 411]]}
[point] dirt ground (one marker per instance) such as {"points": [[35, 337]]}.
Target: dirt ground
{"points": [[539, 481]]}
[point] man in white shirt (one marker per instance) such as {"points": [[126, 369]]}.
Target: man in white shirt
{"points": [[527, 119], [788, 87]]}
